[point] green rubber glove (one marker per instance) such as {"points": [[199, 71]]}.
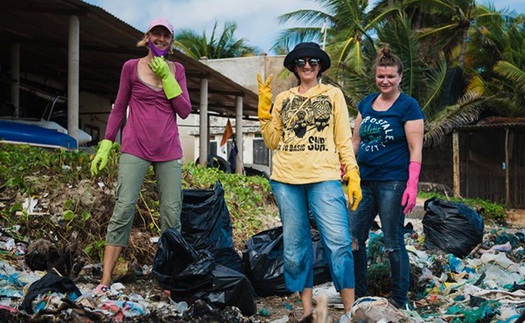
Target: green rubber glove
{"points": [[101, 156], [265, 98], [354, 188], [170, 85]]}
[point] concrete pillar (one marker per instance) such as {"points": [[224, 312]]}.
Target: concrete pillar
{"points": [[15, 78], [238, 135], [73, 77], [456, 167], [203, 123]]}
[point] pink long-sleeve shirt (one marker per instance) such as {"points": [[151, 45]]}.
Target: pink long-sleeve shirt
{"points": [[151, 130]]}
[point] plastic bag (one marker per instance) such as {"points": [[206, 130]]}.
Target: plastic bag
{"points": [[206, 225], [263, 260], [179, 267], [453, 227], [191, 275], [49, 283]]}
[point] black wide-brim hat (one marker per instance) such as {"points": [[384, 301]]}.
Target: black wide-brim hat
{"points": [[307, 49]]}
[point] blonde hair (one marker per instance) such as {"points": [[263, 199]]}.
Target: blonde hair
{"points": [[385, 57], [144, 43]]}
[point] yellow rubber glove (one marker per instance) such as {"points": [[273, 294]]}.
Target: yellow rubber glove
{"points": [[101, 156], [265, 98], [170, 85], [354, 188]]}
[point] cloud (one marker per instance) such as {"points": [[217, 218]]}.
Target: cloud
{"points": [[256, 19]]}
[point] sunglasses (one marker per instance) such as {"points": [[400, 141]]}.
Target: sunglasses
{"points": [[301, 62]]}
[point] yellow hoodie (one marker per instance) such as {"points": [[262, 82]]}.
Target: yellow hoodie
{"points": [[310, 135]]}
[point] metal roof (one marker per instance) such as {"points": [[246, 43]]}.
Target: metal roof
{"points": [[494, 122], [41, 28]]}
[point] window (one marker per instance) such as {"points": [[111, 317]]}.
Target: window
{"points": [[213, 148], [261, 154]]}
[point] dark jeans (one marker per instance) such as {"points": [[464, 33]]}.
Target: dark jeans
{"points": [[383, 198]]}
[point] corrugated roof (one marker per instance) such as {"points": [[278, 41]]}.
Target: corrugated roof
{"points": [[495, 122], [106, 42]]}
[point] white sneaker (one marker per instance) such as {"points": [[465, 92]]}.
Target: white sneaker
{"points": [[346, 318]]}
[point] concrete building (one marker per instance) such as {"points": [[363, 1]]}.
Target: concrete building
{"points": [[70, 53], [243, 71]]}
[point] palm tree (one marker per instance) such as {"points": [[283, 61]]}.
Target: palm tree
{"points": [[225, 45], [503, 78], [492, 62], [354, 48], [347, 38], [433, 38], [347, 28], [447, 23]]}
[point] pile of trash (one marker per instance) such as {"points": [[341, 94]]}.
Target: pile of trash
{"points": [[461, 272], [46, 297]]}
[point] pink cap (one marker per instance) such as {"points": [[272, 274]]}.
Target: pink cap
{"points": [[160, 22]]}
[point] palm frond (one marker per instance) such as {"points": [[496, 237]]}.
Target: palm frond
{"points": [[512, 73], [305, 16], [404, 43], [476, 85], [435, 80], [219, 45], [290, 37], [466, 111]]}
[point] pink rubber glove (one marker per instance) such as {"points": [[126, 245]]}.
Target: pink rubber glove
{"points": [[409, 196]]}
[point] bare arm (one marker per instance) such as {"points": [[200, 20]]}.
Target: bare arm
{"points": [[355, 137], [414, 133]]}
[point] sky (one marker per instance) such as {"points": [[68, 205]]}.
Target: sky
{"points": [[256, 19]]}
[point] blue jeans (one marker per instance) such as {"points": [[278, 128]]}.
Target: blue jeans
{"points": [[327, 203], [131, 173], [383, 198]]}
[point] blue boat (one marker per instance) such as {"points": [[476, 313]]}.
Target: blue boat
{"points": [[20, 133]]}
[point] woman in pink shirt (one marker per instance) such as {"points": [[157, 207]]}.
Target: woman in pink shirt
{"points": [[152, 92]]}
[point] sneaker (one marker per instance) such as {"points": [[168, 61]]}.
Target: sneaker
{"points": [[100, 290], [346, 318]]}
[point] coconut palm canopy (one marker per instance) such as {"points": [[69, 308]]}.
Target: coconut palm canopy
{"points": [[463, 61], [223, 45]]}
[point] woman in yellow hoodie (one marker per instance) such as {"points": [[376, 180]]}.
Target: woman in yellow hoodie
{"points": [[308, 130]]}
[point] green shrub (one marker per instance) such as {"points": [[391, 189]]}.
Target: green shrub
{"points": [[73, 204]]}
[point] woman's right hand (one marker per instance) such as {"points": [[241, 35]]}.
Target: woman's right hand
{"points": [[170, 85], [101, 156], [265, 98]]}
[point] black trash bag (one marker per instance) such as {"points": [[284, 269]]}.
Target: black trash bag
{"points": [[49, 283], [452, 227], [206, 225], [178, 266], [263, 261], [229, 288], [191, 275]]}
